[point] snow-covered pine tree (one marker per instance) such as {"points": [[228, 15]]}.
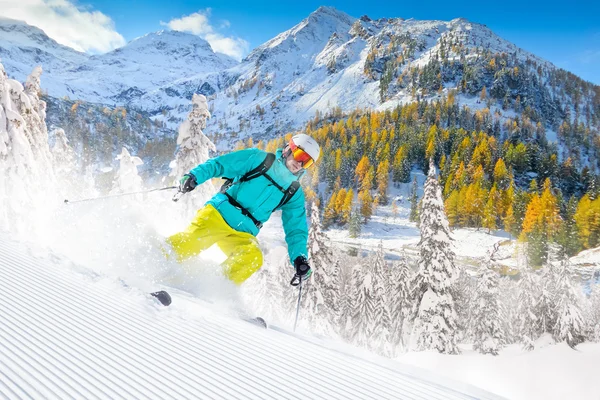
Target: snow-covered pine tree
{"points": [[26, 173], [435, 324], [593, 312], [193, 149], [322, 296], [363, 313], [569, 326], [127, 178], [486, 324], [414, 202], [63, 157], [354, 226], [462, 293], [348, 295], [382, 330], [527, 306], [509, 294], [400, 297], [546, 308], [8, 165], [33, 110]]}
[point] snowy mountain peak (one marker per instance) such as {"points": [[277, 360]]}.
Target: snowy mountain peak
{"points": [[22, 47], [329, 12], [167, 38], [324, 20], [171, 46], [18, 33], [307, 38]]}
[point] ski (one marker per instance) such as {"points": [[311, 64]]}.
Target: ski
{"points": [[258, 321], [162, 296]]}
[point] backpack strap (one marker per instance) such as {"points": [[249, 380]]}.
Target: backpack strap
{"points": [[288, 194], [259, 170], [255, 173], [243, 210]]}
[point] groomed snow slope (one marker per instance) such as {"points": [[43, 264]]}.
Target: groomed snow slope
{"points": [[66, 332]]}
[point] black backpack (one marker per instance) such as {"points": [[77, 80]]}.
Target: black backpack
{"points": [[260, 170]]}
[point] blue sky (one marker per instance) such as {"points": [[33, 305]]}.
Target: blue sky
{"points": [[565, 33]]}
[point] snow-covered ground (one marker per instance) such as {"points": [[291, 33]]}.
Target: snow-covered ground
{"points": [[400, 236], [68, 332], [93, 247], [552, 371]]}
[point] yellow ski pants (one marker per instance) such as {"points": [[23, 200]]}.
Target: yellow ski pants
{"points": [[208, 227]]}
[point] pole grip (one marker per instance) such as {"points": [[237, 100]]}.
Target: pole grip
{"points": [[296, 280], [177, 196]]}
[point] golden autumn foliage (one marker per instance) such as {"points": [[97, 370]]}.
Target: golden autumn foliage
{"points": [[587, 218], [366, 204], [542, 213], [346, 210], [340, 200], [501, 176], [485, 163], [383, 179], [361, 169]]}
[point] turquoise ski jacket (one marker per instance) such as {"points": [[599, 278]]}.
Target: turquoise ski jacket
{"points": [[259, 196]]}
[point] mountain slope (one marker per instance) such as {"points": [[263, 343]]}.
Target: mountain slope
{"points": [[144, 64], [32, 45], [68, 334], [23, 47], [329, 61]]}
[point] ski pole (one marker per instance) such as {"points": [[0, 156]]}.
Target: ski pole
{"points": [[298, 306], [119, 195]]}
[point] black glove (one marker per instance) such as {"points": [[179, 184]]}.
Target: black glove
{"points": [[187, 183], [303, 271]]}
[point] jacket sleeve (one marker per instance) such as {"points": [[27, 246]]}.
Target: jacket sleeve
{"points": [[295, 226], [230, 165]]}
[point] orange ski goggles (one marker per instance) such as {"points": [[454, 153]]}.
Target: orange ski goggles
{"points": [[300, 155]]}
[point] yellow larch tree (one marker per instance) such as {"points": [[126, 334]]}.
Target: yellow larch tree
{"points": [[347, 207], [367, 182], [361, 170], [501, 175], [340, 199], [451, 206], [338, 160], [383, 173], [366, 204], [551, 219], [490, 211], [430, 152], [587, 219], [329, 215], [510, 222], [532, 215]]}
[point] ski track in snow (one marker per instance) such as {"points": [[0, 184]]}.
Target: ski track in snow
{"points": [[67, 335]]}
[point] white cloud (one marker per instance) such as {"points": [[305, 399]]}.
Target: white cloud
{"points": [[198, 23], [69, 24]]}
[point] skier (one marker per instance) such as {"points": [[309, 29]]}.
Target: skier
{"points": [[257, 183]]}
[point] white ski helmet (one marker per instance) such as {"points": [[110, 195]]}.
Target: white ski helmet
{"points": [[306, 143]]}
